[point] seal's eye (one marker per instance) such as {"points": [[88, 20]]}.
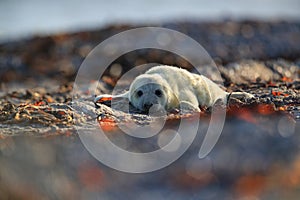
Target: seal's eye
{"points": [[139, 93], [158, 93]]}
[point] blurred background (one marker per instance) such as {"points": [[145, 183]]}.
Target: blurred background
{"points": [[23, 18], [256, 46]]}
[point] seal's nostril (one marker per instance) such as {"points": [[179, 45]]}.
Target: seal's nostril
{"points": [[147, 105]]}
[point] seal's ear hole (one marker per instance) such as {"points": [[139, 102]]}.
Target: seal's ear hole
{"points": [[158, 92], [139, 93]]}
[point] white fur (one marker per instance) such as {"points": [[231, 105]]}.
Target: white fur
{"points": [[179, 89]]}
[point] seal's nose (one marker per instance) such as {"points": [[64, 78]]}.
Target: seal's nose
{"points": [[147, 106]]}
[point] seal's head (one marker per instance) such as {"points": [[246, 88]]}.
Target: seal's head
{"points": [[148, 90]]}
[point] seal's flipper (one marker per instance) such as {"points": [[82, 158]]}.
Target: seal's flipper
{"points": [[241, 95], [107, 98]]}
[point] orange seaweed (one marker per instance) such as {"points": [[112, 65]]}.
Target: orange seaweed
{"points": [[91, 177], [39, 103], [103, 99], [242, 113], [61, 112], [247, 115], [282, 108], [270, 83], [250, 185], [107, 124], [286, 79], [265, 109], [276, 93]]}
